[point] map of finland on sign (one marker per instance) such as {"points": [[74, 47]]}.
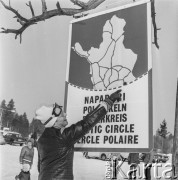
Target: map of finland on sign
{"points": [[109, 51], [106, 67]]}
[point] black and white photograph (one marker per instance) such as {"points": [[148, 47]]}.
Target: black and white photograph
{"points": [[88, 89]]}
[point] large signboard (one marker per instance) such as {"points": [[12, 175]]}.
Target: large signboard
{"points": [[108, 51]]}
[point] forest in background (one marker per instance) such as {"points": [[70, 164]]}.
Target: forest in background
{"points": [[163, 139]]}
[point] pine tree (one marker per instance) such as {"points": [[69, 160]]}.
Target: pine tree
{"points": [[11, 105], [11, 119], [163, 133], [32, 126], [16, 123], [25, 125], [157, 140], [163, 129], [168, 144], [36, 127], [10, 110]]}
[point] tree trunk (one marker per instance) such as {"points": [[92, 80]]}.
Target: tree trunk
{"points": [[175, 140]]}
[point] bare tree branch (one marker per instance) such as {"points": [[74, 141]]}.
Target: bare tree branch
{"points": [[14, 11], [153, 14], [91, 4], [25, 23], [44, 7], [31, 8], [59, 8], [17, 32], [80, 4]]}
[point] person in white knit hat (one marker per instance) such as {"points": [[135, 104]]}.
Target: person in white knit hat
{"points": [[47, 115], [56, 144]]}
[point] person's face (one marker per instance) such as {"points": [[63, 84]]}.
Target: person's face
{"points": [[61, 120], [29, 144]]}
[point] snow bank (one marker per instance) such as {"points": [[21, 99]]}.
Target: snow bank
{"points": [[84, 169]]}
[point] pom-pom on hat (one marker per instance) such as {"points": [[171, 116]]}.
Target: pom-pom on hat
{"points": [[44, 114]]}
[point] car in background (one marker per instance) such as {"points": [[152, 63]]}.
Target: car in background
{"points": [[101, 155], [14, 138], [5, 130], [2, 140], [160, 158]]}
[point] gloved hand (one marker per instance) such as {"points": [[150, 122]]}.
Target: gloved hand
{"points": [[115, 96], [112, 98]]}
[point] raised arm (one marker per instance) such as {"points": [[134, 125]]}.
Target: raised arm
{"points": [[73, 133]]}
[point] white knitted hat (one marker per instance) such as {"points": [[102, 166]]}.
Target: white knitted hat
{"points": [[44, 113]]}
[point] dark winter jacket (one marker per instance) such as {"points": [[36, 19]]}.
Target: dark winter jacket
{"points": [[133, 158], [56, 149]]}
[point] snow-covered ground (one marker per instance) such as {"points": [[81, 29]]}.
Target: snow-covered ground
{"points": [[84, 169]]}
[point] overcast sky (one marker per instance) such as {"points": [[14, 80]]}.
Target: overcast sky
{"points": [[33, 73]]}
